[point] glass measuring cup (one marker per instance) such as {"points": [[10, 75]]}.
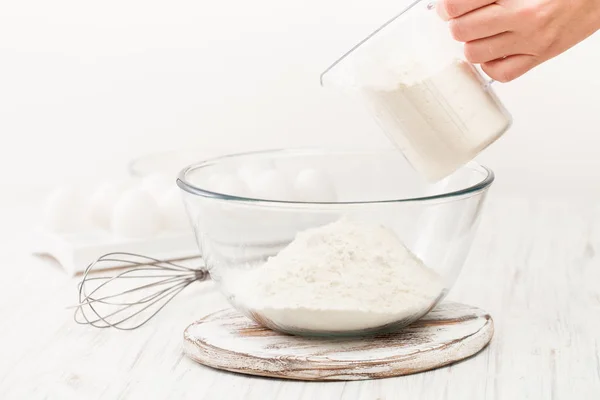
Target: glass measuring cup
{"points": [[433, 104]]}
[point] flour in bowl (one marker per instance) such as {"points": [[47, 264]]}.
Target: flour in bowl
{"points": [[342, 277]]}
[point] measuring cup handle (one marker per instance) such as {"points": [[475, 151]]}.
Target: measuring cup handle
{"points": [[487, 79]]}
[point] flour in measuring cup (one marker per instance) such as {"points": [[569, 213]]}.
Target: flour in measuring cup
{"points": [[440, 118], [344, 276]]}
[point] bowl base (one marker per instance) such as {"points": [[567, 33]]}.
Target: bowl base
{"points": [[229, 341]]}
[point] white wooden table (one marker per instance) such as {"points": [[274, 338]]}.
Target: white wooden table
{"points": [[535, 267]]}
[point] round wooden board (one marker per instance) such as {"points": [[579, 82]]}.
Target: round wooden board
{"points": [[227, 340]]}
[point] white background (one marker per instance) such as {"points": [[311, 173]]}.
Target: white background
{"points": [[85, 86]]}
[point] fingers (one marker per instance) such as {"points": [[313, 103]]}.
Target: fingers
{"points": [[492, 48], [509, 37], [510, 68], [484, 22], [448, 9]]}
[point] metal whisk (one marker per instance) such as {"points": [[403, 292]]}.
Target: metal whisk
{"points": [[112, 301]]}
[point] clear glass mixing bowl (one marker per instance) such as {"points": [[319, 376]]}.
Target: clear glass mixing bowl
{"points": [[242, 225]]}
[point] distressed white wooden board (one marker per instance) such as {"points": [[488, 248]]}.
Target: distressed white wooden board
{"points": [[228, 340]]}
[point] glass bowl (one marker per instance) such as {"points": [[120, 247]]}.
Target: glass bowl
{"points": [[320, 242]]}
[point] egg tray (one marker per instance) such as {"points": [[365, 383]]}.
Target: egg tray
{"points": [[74, 252]]}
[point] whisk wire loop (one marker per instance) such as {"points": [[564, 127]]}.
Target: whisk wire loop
{"points": [[103, 305]]}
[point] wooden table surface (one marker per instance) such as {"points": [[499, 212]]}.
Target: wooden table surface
{"points": [[534, 267]]}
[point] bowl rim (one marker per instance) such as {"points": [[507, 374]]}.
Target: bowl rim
{"points": [[186, 186]]}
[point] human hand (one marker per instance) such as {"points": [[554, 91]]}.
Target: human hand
{"points": [[510, 37]]}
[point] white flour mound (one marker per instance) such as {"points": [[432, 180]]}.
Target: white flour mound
{"points": [[343, 276]]}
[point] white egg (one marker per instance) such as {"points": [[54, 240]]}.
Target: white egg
{"points": [[125, 184], [250, 172], [312, 185], [173, 211], [63, 210], [231, 185], [272, 185], [158, 184], [102, 203], [212, 184], [136, 215]]}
